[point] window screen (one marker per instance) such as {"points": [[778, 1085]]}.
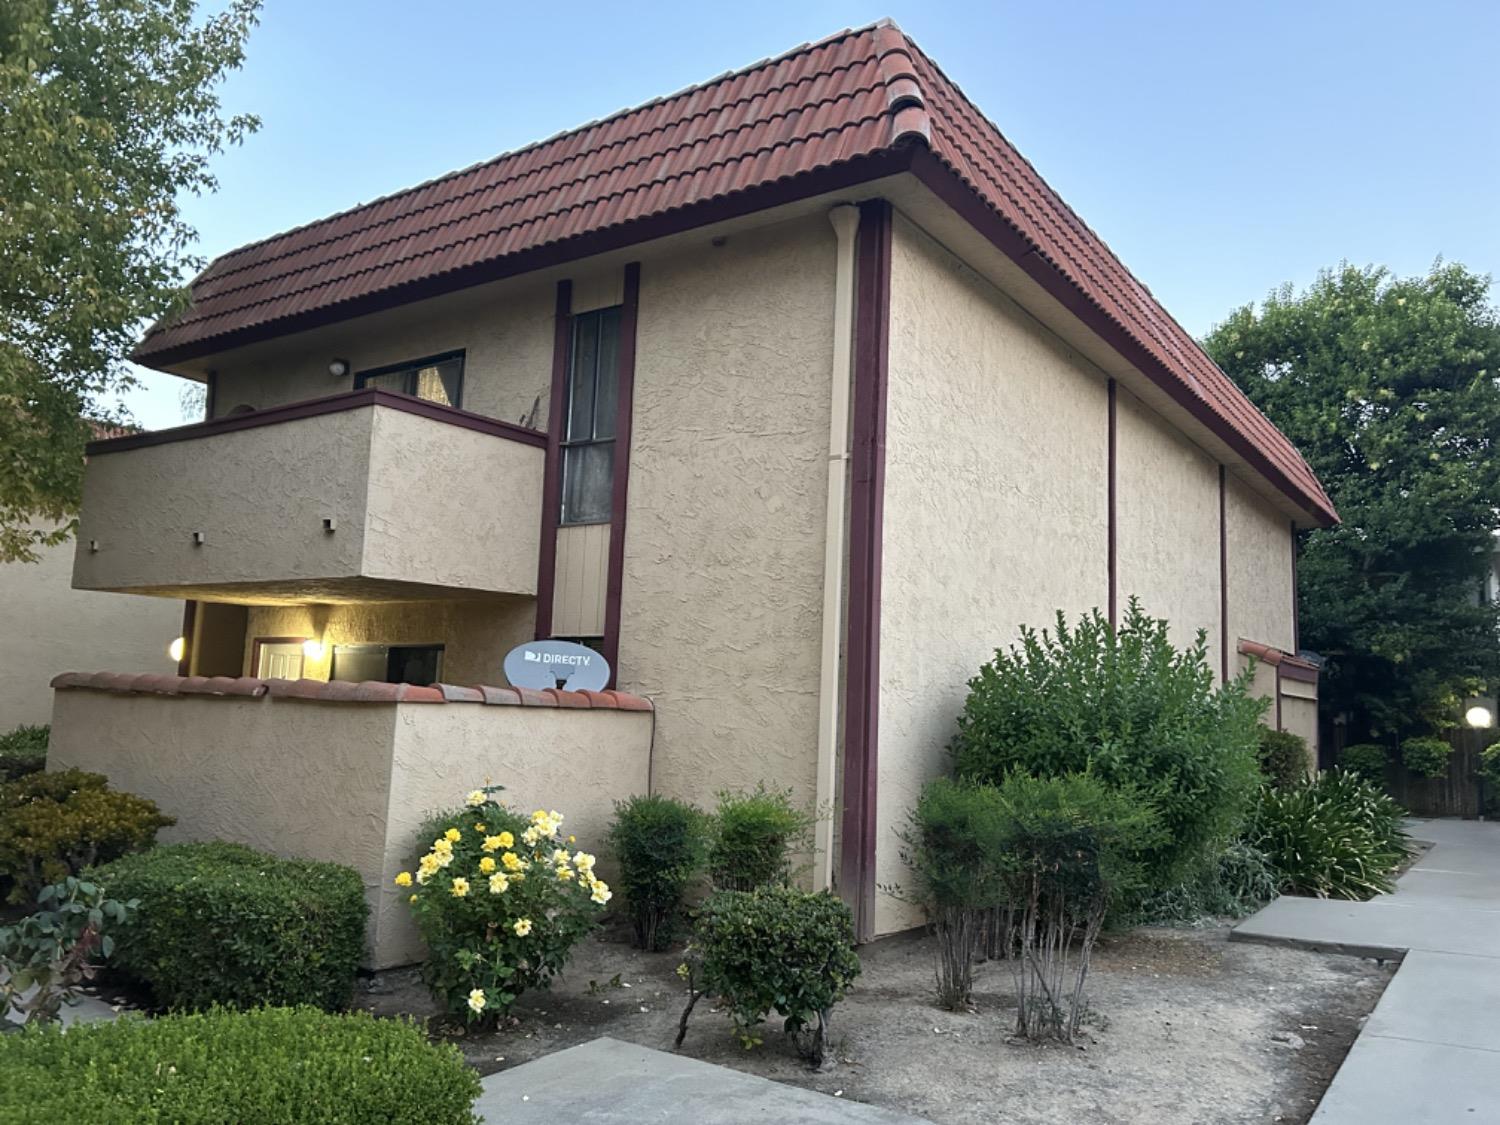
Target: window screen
{"points": [[589, 439]]}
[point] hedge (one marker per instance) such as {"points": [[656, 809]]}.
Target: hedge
{"points": [[262, 1066], [219, 923]]}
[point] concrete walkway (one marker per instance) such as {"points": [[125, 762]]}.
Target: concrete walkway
{"points": [[610, 1081], [1430, 1052]]}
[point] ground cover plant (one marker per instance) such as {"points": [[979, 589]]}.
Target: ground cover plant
{"points": [[53, 825], [501, 900], [265, 1065], [222, 924], [773, 949], [23, 751], [754, 837], [1126, 706], [661, 846], [1335, 836]]}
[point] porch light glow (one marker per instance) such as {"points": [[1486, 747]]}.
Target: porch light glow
{"points": [[1479, 717], [176, 649], [312, 650]]}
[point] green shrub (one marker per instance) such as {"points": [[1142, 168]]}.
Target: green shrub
{"points": [[1426, 756], [1337, 836], [261, 1066], [501, 902], [23, 751], [1238, 882], [1365, 760], [53, 825], [774, 949], [224, 924], [661, 846], [1489, 775], [49, 953], [1127, 707], [1283, 757], [754, 837]]}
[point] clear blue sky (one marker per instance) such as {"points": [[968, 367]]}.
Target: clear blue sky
{"points": [[1221, 149]]}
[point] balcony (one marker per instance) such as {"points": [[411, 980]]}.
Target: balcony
{"points": [[369, 496]]}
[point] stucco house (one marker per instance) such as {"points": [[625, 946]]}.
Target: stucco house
{"points": [[795, 393]]}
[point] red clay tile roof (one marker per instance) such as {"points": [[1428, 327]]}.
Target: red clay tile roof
{"points": [[856, 106]]}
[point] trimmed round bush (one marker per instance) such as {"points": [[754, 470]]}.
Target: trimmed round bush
{"points": [[1426, 756], [661, 845], [53, 825], [1365, 760], [1128, 707], [23, 751], [1283, 757], [266, 1065], [754, 836], [222, 924]]}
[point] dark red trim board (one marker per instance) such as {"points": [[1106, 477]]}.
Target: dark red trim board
{"points": [[624, 398], [1278, 697], [1113, 524], [546, 556], [872, 271], [1223, 575], [316, 407], [189, 623]]}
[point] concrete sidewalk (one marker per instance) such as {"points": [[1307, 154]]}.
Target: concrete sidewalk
{"points": [[610, 1081], [1430, 1053]]}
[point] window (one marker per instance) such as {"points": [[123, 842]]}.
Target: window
{"points": [[438, 378], [589, 439], [391, 664]]}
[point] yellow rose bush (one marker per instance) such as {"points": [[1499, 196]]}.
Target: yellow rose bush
{"points": [[501, 899]]}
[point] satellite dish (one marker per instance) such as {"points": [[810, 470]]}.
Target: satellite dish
{"points": [[556, 664]]}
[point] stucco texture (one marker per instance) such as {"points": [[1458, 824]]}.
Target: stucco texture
{"points": [[1259, 544], [396, 485], [723, 557], [475, 635], [1167, 512], [995, 509], [346, 782], [50, 628]]}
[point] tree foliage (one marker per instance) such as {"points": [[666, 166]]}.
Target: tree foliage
{"points": [[109, 116], [1390, 387]]}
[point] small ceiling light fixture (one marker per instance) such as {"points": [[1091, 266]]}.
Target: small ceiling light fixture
{"points": [[1479, 717], [177, 649], [312, 650], [338, 368]]}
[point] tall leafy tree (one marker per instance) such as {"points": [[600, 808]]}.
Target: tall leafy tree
{"points": [[1391, 389], [109, 115]]}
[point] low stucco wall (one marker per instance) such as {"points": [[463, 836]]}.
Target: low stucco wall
{"points": [[344, 781]]}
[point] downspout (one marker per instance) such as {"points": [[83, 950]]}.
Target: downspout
{"points": [[845, 220]]}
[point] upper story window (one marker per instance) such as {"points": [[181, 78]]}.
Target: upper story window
{"points": [[589, 439], [438, 378]]}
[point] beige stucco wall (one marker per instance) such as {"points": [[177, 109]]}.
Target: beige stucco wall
{"points": [[995, 509], [1167, 512], [49, 628], [349, 782], [415, 500], [723, 574], [475, 635], [1299, 714], [1259, 544]]}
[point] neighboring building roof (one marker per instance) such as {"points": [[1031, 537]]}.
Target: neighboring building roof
{"points": [[856, 106]]}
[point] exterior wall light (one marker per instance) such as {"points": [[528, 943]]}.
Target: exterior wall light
{"points": [[1479, 717], [338, 368], [312, 650], [177, 649]]}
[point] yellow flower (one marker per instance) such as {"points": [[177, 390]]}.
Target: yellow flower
{"points": [[538, 816], [531, 835], [443, 859], [412, 899], [572, 839], [522, 927], [512, 861], [499, 884], [442, 845], [460, 887], [601, 894], [506, 840], [423, 875], [476, 1001], [491, 843], [481, 829], [475, 798], [487, 864], [564, 874], [583, 861], [559, 856], [428, 863], [403, 879], [453, 835]]}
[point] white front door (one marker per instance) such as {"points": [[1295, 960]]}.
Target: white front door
{"points": [[280, 661]]}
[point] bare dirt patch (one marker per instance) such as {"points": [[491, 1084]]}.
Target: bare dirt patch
{"points": [[1185, 1028]]}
